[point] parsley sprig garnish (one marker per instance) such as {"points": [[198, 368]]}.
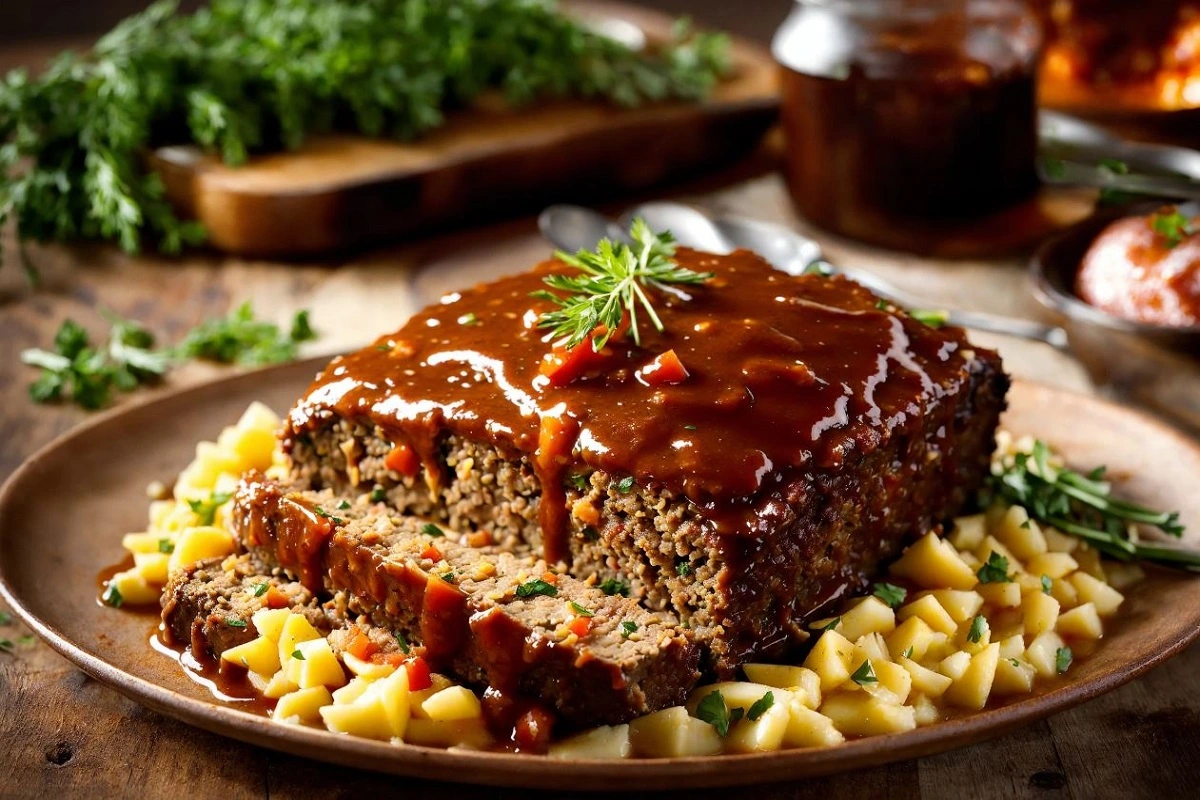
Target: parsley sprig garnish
{"points": [[251, 75], [1083, 506], [75, 370], [206, 510], [1172, 227], [613, 287]]}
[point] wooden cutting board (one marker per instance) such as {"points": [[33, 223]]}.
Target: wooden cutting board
{"points": [[347, 191]]}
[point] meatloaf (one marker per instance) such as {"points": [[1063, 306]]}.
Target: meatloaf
{"points": [[491, 617], [809, 430]]}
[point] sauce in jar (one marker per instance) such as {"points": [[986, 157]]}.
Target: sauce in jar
{"points": [[908, 113]]}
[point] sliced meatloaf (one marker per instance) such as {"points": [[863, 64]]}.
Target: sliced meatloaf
{"points": [[814, 430], [486, 615], [209, 604]]}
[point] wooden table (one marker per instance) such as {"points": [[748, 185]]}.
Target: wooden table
{"points": [[62, 734]]}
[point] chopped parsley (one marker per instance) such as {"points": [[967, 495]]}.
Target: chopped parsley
{"points": [[234, 622], [628, 628], [1047, 584], [5, 618], [378, 495], [1015, 662], [995, 570], [890, 593], [683, 568], [206, 510], [296, 654], [760, 706], [580, 610], [166, 546], [908, 651], [934, 318], [712, 710], [469, 319], [535, 587], [1172, 227], [864, 674], [402, 640], [342, 506], [448, 577], [429, 529], [822, 268], [625, 484], [612, 586], [1062, 659], [261, 589], [978, 626], [27, 639], [832, 624], [320, 512], [689, 427], [580, 480], [112, 596], [6, 645]]}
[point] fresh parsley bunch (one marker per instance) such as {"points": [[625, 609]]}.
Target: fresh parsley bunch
{"points": [[241, 76]]}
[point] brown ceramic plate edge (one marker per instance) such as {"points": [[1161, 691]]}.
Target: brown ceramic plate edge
{"points": [[1160, 635]]}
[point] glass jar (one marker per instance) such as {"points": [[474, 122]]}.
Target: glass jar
{"points": [[902, 116]]}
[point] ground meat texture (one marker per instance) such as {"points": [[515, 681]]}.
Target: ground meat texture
{"points": [[818, 533], [209, 605], [487, 615]]}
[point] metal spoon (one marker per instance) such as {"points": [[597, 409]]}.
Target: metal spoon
{"points": [[573, 228]]}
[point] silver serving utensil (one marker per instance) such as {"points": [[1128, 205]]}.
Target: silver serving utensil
{"points": [[1078, 153], [573, 228]]}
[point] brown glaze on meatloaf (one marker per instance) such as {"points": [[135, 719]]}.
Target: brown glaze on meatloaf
{"points": [[596, 658], [816, 432]]}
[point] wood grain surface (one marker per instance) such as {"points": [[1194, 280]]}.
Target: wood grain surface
{"points": [[63, 735]]}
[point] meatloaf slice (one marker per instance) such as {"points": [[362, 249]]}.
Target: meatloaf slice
{"points": [[488, 616], [209, 604]]}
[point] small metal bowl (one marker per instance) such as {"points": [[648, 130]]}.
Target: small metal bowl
{"points": [[1154, 366]]}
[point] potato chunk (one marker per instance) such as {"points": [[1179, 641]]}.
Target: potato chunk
{"points": [[931, 612], [1093, 590], [260, 655], [869, 615], [762, 735], [809, 728], [862, 714], [830, 659], [303, 705], [1081, 622], [801, 681], [609, 741], [972, 688], [1040, 612], [933, 562], [452, 703], [673, 733]]}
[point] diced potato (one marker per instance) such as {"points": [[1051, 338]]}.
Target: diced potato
{"points": [[319, 667], [736, 694], [893, 681], [924, 680], [468, 733], [972, 688], [1042, 653], [830, 659], [160, 510], [295, 629], [961, 606], [436, 684], [955, 665], [1000, 595], [152, 566], [1012, 647], [258, 416], [366, 669], [968, 532], [763, 735], [278, 685], [1093, 590], [673, 733], [608, 741], [1020, 534], [1121, 575], [963, 637], [269, 622], [143, 542], [924, 711], [1014, 675], [451, 704], [1064, 592], [809, 728], [913, 636], [991, 544], [1040, 612], [257, 655], [252, 447], [870, 615], [196, 544], [1090, 562], [1029, 582], [931, 612], [870, 646], [351, 691], [1081, 622], [1059, 542], [802, 682], [862, 714], [1055, 565], [380, 712], [933, 562], [304, 705], [134, 589]]}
